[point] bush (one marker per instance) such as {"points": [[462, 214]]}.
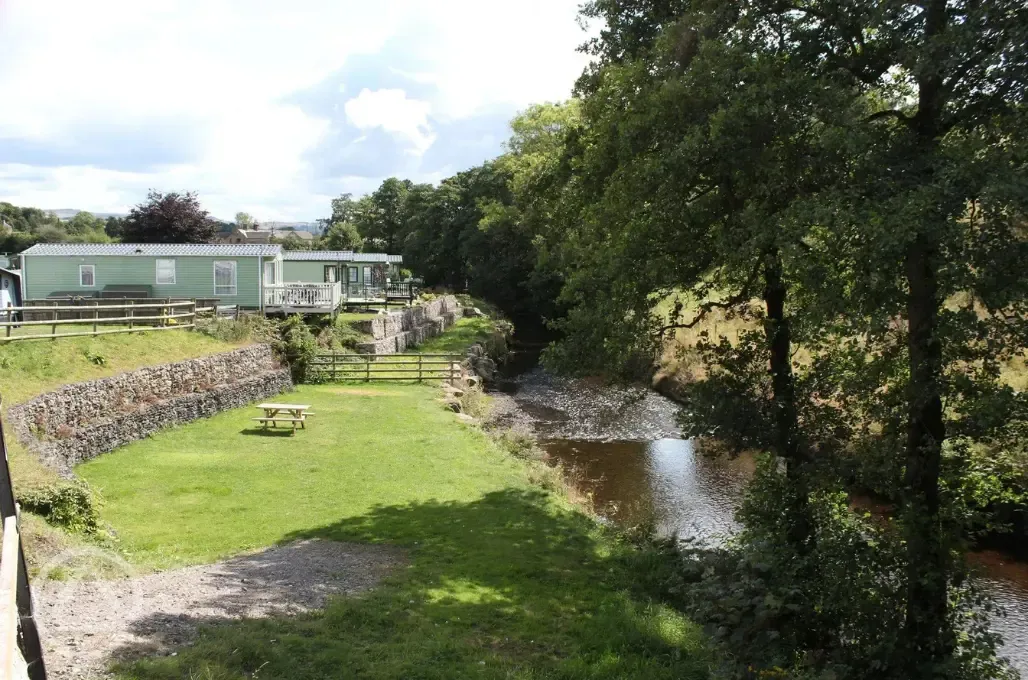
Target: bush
{"points": [[297, 346], [835, 611], [248, 327], [474, 402], [71, 505], [520, 445]]}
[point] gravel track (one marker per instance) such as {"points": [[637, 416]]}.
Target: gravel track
{"points": [[85, 625]]}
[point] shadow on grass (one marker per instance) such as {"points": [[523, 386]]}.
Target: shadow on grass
{"points": [[270, 432], [508, 586]]}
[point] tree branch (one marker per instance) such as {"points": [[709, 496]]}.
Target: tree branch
{"points": [[890, 113], [707, 307]]}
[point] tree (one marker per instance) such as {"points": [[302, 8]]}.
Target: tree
{"points": [[114, 227], [343, 236], [380, 217], [169, 218], [244, 220], [83, 223]]}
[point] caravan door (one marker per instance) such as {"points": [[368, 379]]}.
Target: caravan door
{"points": [[6, 298]]}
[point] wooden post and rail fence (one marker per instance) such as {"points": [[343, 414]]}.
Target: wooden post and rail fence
{"points": [[21, 654], [91, 319], [343, 367]]}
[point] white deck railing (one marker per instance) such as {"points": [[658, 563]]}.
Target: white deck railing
{"points": [[304, 295]]}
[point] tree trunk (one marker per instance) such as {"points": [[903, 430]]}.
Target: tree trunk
{"points": [[928, 633], [928, 560], [786, 428]]}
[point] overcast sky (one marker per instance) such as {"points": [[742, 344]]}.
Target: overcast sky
{"points": [[267, 106]]}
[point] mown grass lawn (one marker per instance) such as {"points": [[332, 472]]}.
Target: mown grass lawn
{"points": [[459, 337], [504, 580]]}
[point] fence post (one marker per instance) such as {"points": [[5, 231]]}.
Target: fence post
{"points": [[131, 314], [192, 317], [367, 369], [334, 369], [53, 331], [421, 358], [96, 315]]}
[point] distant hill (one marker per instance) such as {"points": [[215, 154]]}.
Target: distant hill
{"points": [[65, 214], [312, 227]]}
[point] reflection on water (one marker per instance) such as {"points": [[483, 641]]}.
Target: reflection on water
{"points": [[627, 442], [1006, 580], [664, 482]]}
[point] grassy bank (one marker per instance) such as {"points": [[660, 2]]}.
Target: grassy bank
{"points": [[504, 580], [32, 367]]}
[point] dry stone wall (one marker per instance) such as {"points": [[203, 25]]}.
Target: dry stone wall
{"points": [[394, 333], [84, 420]]}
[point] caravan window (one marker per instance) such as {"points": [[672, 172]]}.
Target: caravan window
{"points": [[165, 272], [87, 275], [225, 277]]}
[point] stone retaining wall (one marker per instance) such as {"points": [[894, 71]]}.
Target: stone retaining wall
{"points": [[84, 420], [397, 331]]}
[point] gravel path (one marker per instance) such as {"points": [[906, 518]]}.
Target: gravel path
{"points": [[87, 624]]}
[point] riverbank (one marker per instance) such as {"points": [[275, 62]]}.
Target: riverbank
{"points": [[627, 449]]}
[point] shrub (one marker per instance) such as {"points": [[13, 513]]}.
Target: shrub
{"points": [[68, 504], [474, 402], [520, 445], [248, 327], [297, 346]]}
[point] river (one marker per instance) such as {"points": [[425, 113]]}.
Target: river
{"points": [[627, 444]]}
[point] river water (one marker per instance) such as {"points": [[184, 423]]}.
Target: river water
{"points": [[627, 444]]}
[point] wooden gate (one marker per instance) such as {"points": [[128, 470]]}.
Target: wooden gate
{"points": [[342, 367]]}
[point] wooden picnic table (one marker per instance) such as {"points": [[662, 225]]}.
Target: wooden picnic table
{"points": [[297, 415]]}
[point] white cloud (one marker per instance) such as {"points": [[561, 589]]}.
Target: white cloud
{"points": [[227, 69], [392, 111]]}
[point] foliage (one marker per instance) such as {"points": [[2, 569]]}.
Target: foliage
{"points": [[169, 218], [244, 220], [343, 236], [248, 327], [27, 226], [748, 595], [297, 346], [68, 504]]}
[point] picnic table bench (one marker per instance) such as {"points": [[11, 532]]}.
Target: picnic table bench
{"points": [[297, 415]]}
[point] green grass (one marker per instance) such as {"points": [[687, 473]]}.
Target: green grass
{"points": [[32, 367], [504, 580], [352, 317], [457, 339]]}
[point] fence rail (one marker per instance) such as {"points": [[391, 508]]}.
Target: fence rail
{"points": [[339, 366], [21, 654], [128, 318], [84, 307]]}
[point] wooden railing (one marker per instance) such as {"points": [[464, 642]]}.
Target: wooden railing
{"points": [[86, 307], [342, 367], [304, 295], [129, 318], [375, 292], [21, 654]]}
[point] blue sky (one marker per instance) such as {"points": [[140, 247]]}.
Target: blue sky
{"points": [[265, 106]]}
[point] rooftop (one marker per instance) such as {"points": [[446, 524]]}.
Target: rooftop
{"points": [[340, 256], [155, 249]]}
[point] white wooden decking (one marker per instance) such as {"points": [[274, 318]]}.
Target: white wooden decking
{"points": [[303, 298]]}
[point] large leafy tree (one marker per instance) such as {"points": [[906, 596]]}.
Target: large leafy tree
{"points": [[864, 150], [343, 236], [169, 218], [937, 185], [381, 217]]}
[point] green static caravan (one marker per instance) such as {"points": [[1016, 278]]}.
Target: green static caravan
{"points": [[354, 270], [234, 274]]}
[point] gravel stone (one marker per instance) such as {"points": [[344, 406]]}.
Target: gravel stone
{"points": [[86, 625]]}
